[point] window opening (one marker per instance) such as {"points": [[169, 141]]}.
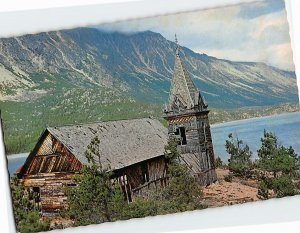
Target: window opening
{"points": [[182, 136]]}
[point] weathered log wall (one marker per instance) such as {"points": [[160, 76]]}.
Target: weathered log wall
{"points": [[198, 142], [50, 168], [51, 190]]}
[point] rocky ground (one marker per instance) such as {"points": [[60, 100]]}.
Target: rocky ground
{"points": [[224, 193], [60, 223]]}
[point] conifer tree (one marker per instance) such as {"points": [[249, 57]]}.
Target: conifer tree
{"points": [[95, 199], [274, 158], [279, 167], [240, 163]]}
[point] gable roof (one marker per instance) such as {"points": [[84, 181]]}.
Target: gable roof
{"points": [[122, 143]]}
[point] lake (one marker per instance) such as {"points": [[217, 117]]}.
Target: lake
{"points": [[285, 126]]}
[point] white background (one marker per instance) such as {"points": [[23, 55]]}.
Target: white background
{"points": [[17, 17]]}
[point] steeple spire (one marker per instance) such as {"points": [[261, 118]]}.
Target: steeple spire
{"points": [[183, 93], [177, 46]]}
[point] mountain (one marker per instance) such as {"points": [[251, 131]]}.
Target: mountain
{"points": [[139, 63]]}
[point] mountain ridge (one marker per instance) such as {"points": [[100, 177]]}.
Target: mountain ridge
{"points": [[140, 64]]}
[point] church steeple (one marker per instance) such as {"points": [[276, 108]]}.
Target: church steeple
{"points": [[188, 122], [183, 93]]}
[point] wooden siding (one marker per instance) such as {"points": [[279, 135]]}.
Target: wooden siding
{"points": [[51, 190], [52, 156], [49, 167], [198, 150], [139, 179]]}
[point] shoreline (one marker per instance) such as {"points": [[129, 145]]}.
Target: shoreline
{"points": [[17, 156], [252, 118]]}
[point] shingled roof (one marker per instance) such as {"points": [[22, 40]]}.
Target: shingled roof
{"points": [[122, 143], [183, 90]]}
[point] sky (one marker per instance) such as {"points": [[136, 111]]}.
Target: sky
{"points": [[256, 31]]}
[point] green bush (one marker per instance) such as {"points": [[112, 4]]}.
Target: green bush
{"points": [[141, 207], [276, 159], [219, 162], [183, 191], [26, 211], [95, 199], [263, 191], [283, 186], [228, 178], [32, 222]]}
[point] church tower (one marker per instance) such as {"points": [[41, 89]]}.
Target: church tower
{"points": [[187, 116]]}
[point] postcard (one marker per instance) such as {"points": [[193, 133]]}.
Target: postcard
{"points": [[150, 116]]}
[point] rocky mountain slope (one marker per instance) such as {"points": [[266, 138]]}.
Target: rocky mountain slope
{"points": [[139, 64]]}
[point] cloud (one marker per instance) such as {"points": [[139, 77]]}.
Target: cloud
{"points": [[250, 11], [273, 25], [281, 55], [224, 33]]}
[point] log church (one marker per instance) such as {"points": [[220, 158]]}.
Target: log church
{"points": [[133, 149]]}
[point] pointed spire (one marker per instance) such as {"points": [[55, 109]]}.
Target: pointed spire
{"points": [[183, 93], [177, 45]]}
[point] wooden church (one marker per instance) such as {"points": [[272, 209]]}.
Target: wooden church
{"points": [[133, 149]]}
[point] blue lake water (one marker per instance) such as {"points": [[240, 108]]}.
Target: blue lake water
{"points": [[285, 126], [15, 161]]}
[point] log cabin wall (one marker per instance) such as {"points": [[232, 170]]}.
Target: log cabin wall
{"points": [[50, 188], [141, 179], [51, 168]]}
